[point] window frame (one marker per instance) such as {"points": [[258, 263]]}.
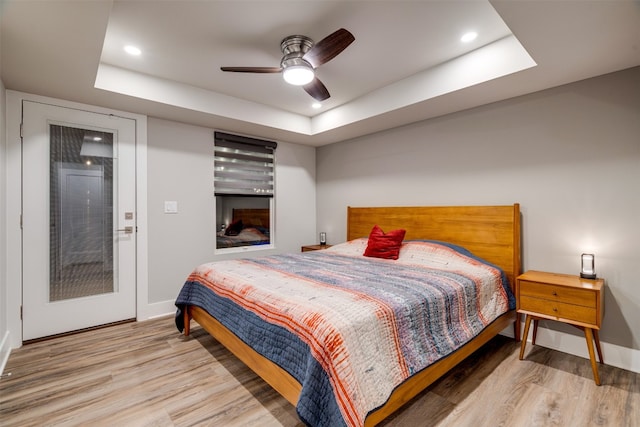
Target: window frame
{"points": [[246, 143]]}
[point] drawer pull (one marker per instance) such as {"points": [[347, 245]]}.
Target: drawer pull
{"points": [[555, 294], [555, 309]]}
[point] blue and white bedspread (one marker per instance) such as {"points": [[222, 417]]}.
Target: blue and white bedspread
{"points": [[350, 328]]}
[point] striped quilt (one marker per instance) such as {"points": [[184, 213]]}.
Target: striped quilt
{"points": [[351, 328]]}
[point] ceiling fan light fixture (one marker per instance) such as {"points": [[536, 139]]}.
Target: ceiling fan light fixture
{"points": [[298, 75]]}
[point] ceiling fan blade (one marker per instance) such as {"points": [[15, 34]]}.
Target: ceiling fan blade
{"points": [[252, 69], [329, 47], [317, 90]]}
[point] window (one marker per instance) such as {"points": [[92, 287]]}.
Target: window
{"points": [[244, 189]]}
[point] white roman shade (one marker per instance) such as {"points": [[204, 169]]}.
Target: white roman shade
{"points": [[243, 166]]}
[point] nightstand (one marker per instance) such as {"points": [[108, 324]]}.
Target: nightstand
{"points": [[309, 248], [565, 298]]}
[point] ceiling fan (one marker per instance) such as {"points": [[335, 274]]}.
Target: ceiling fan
{"points": [[302, 57]]}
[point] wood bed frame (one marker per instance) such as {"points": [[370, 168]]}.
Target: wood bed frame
{"points": [[490, 232]]}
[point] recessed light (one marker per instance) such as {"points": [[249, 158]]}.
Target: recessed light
{"points": [[132, 50], [468, 37], [316, 105]]}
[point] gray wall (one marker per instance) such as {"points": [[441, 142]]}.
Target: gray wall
{"points": [[180, 168], [4, 328], [569, 155]]}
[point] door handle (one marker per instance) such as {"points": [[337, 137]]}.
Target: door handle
{"points": [[127, 230]]}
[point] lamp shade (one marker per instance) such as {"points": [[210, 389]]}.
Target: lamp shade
{"points": [[588, 268]]}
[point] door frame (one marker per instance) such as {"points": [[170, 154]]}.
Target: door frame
{"points": [[14, 207]]}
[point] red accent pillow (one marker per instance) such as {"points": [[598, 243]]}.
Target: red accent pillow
{"points": [[384, 245]]}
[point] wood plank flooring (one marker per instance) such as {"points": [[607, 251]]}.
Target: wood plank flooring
{"points": [[147, 374]]}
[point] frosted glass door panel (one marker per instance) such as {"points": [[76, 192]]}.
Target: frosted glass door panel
{"points": [[81, 213]]}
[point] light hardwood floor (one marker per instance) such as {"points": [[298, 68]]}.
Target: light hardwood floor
{"points": [[147, 374]]}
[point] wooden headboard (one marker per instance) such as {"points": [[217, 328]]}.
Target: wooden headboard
{"points": [[490, 232], [258, 217]]}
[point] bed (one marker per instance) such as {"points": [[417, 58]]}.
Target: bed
{"points": [[491, 233], [248, 227]]}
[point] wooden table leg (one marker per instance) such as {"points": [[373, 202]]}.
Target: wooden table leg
{"points": [[535, 331], [527, 323], [588, 334], [596, 337]]}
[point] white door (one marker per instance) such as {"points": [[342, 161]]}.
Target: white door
{"points": [[78, 219]]}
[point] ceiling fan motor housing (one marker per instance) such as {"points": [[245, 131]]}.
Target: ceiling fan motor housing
{"points": [[292, 44], [294, 48]]}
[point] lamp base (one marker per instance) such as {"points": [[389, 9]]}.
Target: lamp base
{"points": [[587, 276]]}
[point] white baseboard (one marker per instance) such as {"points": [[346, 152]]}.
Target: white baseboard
{"points": [[157, 309], [613, 354], [5, 351]]}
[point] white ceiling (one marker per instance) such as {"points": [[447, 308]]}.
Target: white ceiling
{"points": [[406, 64]]}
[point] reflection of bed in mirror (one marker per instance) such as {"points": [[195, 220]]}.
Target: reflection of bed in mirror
{"points": [[248, 227]]}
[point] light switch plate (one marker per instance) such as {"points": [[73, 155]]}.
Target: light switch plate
{"points": [[170, 207]]}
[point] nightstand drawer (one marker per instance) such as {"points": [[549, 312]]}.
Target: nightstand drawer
{"points": [[560, 310], [558, 293]]}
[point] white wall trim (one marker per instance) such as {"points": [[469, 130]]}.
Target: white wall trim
{"points": [[142, 252], [613, 354], [13, 211], [14, 202], [5, 351], [159, 309]]}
